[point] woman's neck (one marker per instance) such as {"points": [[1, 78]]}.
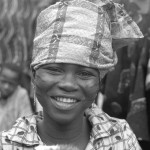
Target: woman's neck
{"points": [[52, 132]]}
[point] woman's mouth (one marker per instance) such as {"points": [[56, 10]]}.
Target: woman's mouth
{"points": [[64, 103]]}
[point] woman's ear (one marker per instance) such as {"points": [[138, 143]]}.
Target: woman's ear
{"points": [[102, 84], [33, 77]]}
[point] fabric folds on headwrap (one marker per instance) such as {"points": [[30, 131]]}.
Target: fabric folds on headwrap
{"points": [[82, 32]]}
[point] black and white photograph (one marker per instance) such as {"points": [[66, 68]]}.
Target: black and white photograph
{"points": [[74, 74]]}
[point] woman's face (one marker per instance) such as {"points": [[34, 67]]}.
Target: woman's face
{"points": [[66, 90]]}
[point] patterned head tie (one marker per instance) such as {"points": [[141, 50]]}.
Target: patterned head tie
{"points": [[83, 32]]}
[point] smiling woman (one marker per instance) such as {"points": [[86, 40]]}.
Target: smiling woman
{"points": [[73, 50], [66, 88]]}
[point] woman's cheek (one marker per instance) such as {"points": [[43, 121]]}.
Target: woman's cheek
{"points": [[40, 83], [91, 89], [93, 85]]}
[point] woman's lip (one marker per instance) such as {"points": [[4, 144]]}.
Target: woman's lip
{"points": [[63, 105]]}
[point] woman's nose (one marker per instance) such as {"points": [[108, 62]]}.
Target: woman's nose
{"points": [[68, 83]]}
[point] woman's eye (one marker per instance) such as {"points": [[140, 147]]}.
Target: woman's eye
{"points": [[85, 74], [54, 70]]}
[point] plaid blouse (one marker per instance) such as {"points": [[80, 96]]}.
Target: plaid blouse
{"points": [[107, 133]]}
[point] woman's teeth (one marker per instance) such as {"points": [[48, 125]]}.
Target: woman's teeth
{"points": [[64, 103], [65, 100]]}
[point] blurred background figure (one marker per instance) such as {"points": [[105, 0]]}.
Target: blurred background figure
{"points": [[128, 84], [14, 99]]}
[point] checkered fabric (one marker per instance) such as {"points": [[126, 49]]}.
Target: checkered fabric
{"points": [[83, 32], [107, 133]]}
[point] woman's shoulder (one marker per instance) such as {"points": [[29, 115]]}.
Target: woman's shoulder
{"points": [[110, 130], [98, 117], [23, 132], [7, 144]]}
